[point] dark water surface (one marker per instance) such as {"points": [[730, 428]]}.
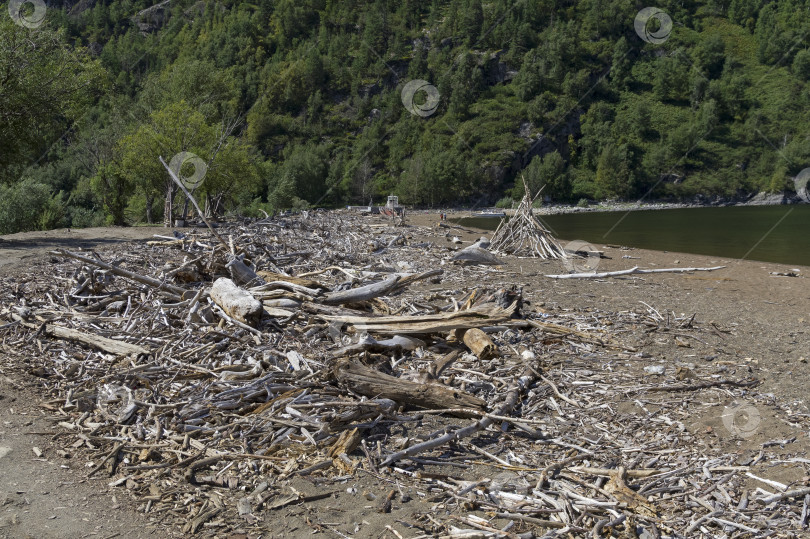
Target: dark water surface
{"points": [[768, 233]]}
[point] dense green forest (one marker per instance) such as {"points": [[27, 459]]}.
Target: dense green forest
{"points": [[301, 103]]}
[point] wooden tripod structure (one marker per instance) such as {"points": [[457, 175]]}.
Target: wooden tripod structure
{"points": [[524, 234]]}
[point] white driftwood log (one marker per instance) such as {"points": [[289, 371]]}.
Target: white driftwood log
{"points": [[237, 303], [631, 271], [477, 255], [363, 293], [110, 346]]}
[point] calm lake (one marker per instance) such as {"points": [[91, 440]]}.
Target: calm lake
{"points": [[769, 233]]}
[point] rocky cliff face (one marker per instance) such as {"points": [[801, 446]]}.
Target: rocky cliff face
{"points": [[152, 18]]}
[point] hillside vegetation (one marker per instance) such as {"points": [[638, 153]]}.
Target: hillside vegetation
{"points": [[296, 103]]}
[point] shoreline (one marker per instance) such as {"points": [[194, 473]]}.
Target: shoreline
{"points": [[563, 209]]}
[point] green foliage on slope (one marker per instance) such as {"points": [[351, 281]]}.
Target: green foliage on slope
{"points": [[300, 102]]}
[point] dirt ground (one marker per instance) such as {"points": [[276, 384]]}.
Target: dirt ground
{"points": [[763, 318]]}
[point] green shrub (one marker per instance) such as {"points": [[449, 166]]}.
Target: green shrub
{"points": [[583, 203], [505, 202], [85, 217], [29, 205]]}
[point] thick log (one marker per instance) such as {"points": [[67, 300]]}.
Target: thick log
{"points": [[373, 383], [478, 342], [237, 303], [363, 293]]}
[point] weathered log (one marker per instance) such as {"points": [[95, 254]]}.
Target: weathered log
{"points": [[373, 383], [394, 344], [102, 343], [175, 291], [476, 255], [478, 342], [242, 273], [506, 407], [236, 302], [363, 293], [176, 180], [271, 276], [407, 279], [631, 271], [482, 315], [301, 290]]}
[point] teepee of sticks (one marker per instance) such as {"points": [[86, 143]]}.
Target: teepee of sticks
{"points": [[524, 234]]}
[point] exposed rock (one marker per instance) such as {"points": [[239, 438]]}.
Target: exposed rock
{"points": [[767, 199]]}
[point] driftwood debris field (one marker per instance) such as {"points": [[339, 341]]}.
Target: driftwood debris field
{"points": [[206, 380]]}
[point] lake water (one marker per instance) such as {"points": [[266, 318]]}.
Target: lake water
{"points": [[768, 233]]}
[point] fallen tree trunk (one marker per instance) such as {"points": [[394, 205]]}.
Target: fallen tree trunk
{"points": [[373, 383], [363, 293], [631, 271], [237, 303], [104, 344]]}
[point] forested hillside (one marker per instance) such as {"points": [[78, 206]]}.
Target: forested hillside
{"points": [[295, 103]]}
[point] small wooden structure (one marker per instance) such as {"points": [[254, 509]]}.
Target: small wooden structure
{"points": [[525, 235]]}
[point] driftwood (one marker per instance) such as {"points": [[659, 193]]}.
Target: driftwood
{"points": [[236, 302], [477, 255], [241, 273], [478, 342], [394, 344], [306, 283], [373, 383], [363, 293], [631, 271], [476, 317], [201, 213], [176, 291], [265, 404], [509, 403], [102, 343]]}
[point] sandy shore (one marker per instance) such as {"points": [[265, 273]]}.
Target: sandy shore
{"points": [[769, 314]]}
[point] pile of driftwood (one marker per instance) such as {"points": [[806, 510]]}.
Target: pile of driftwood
{"points": [[524, 235], [203, 376]]}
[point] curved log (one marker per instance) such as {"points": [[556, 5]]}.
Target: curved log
{"points": [[363, 293]]}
